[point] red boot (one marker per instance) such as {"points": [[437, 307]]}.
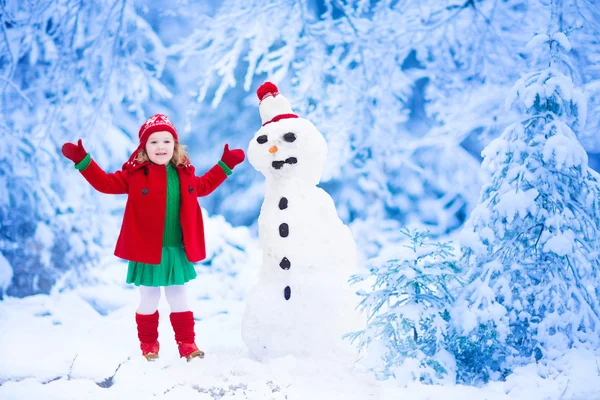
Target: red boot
{"points": [[183, 326], [147, 325]]}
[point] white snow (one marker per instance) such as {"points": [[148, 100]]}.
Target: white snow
{"points": [[6, 273], [469, 238], [565, 151], [484, 296], [60, 347], [581, 105], [45, 238], [562, 39], [561, 244], [531, 93], [553, 86], [80, 350], [537, 42], [516, 202], [557, 84]]}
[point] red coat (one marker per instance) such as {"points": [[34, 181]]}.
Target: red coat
{"points": [[144, 220]]}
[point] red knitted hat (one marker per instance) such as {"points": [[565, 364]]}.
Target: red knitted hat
{"points": [[156, 123], [273, 106]]}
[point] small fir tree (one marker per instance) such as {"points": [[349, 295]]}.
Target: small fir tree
{"points": [[407, 311]]}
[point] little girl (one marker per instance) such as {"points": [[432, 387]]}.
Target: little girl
{"points": [[162, 232]]}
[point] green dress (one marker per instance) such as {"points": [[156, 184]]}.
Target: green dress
{"points": [[174, 267]]}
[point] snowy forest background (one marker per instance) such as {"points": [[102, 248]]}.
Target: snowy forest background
{"points": [[475, 121]]}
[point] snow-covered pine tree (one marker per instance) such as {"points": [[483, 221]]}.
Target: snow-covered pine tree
{"points": [[530, 248], [408, 310]]}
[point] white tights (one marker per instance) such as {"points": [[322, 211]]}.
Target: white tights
{"points": [[150, 295]]}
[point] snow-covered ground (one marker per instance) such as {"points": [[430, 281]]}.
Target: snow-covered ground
{"points": [[81, 343]]}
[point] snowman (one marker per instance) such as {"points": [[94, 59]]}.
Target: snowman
{"points": [[302, 303]]}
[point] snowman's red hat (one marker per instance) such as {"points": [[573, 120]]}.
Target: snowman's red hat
{"points": [[273, 106]]}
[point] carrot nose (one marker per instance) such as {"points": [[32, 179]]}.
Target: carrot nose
{"points": [[273, 150]]}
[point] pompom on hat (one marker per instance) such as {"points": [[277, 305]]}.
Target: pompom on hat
{"points": [[156, 123], [273, 105]]}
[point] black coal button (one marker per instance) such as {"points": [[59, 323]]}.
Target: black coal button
{"points": [[284, 230], [285, 263], [283, 203]]}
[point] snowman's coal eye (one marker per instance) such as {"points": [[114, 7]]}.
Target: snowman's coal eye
{"points": [[289, 137], [262, 139]]}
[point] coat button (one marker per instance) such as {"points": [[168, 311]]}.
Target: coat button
{"points": [[191, 189], [144, 191]]}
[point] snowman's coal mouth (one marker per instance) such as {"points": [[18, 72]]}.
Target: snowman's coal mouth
{"points": [[280, 164]]}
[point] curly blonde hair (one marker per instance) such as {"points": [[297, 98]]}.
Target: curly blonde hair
{"points": [[180, 156]]}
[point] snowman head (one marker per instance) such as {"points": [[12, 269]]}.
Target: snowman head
{"points": [[286, 147]]}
